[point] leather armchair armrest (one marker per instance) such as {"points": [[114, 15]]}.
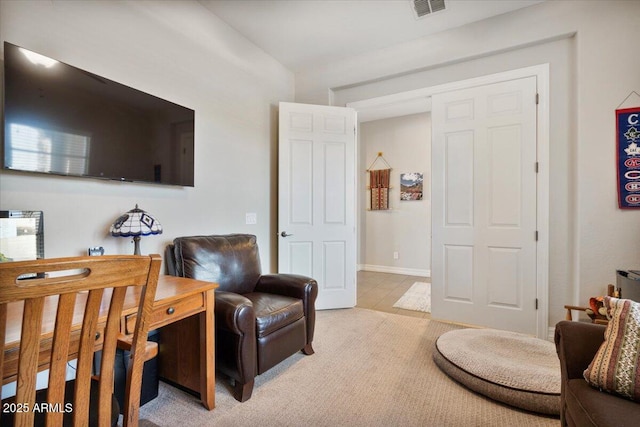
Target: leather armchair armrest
{"points": [[290, 285], [235, 313], [577, 344]]}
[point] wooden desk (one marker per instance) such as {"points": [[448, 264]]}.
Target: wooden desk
{"points": [[177, 298]]}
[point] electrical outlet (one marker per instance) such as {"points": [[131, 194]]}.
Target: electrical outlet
{"points": [[396, 255], [251, 218]]}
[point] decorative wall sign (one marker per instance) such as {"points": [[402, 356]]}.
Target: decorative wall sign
{"points": [[628, 157], [411, 186]]}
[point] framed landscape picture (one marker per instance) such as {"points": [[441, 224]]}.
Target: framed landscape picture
{"points": [[411, 186]]}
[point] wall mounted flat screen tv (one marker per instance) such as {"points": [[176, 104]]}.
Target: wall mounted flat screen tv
{"points": [[59, 119]]}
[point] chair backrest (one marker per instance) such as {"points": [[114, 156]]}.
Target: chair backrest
{"points": [[232, 261], [87, 295]]}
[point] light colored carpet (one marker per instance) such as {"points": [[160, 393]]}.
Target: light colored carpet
{"points": [[370, 369], [417, 298], [513, 368]]}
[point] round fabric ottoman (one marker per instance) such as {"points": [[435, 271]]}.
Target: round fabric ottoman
{"points": [[512, 368]]}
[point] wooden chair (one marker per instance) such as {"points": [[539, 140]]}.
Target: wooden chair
{"points": [[89, 293]]}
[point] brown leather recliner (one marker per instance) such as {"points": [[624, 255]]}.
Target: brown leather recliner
{"points": [[581, 404], [260, 319]]}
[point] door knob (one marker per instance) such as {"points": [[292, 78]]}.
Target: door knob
{"points": [[285, 234]]}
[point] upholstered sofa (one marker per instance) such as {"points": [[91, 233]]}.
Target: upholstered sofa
{"points": [[260, 319], [581, 404]]}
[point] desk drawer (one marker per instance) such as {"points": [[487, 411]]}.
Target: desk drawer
{"points": [[168, 313], [44, 354]]}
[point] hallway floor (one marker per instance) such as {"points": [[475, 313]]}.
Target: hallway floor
{"points": [[379, 291]]}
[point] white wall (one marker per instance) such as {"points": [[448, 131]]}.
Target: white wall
{"points": [[587, 45], [179, 51], [406, 228]]}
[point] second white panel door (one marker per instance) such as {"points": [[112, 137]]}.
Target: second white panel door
{"points": [[484, 206]]}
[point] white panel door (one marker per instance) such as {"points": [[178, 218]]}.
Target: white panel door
{"points": [[484, 206], [316, 206]]}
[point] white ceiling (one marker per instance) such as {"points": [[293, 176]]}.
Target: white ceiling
{"points": [[304, 33]]}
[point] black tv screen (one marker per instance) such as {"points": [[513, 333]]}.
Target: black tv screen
{"points": [[59, 119]]}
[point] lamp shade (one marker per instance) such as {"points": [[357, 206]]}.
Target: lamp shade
{"points": [[135, 223]]}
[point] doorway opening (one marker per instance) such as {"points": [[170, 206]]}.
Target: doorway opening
{"points": [[419, 101]]}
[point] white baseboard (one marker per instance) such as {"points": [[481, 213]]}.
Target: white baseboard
{"points": [[551, 334], [395, 270]]}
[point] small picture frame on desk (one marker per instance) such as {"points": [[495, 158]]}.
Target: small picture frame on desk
{"points": [[96, 251]]}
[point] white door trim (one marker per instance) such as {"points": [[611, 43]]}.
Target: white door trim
{"points": [[418, 100]]}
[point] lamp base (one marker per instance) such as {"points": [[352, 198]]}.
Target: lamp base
{"points": [[136, 243]]}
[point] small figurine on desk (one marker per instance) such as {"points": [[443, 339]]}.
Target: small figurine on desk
{"points": [[596, 310], [96, 251]]}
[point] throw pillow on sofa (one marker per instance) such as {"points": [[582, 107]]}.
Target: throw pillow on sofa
{"points": [[616, 366]]}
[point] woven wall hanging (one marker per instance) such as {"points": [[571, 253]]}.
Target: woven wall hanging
{"points": [[379, 180]]}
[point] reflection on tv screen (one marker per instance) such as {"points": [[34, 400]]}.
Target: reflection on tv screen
{"points": [[59, 119]]}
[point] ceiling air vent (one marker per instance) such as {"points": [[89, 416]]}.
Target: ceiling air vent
{"points": [[425, 7]]}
